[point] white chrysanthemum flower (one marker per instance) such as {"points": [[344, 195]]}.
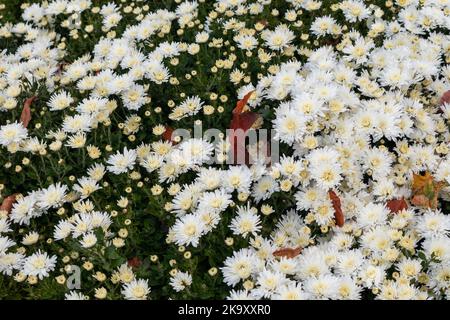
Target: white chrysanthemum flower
{"points": [[323, 25], [323, 287], [39, 264], [77, 141], [56, 7], [409, 268], [10, 262], [239, 267], [290, 291], [77, 123], [75, 295], [89, 240], [311, 263], [354, 10], [158, 73], [372, 214], [289, 127], [4, 225], [217, 201], [237, 178], [433, 224], [239, 295], [197, 151], [100, 220], [25, 208], [358, 52], [437, 248], [33, 13], [62, 230], [96, 171], [188, 229], [5, 243], [268, 282], [92, 105], [246, 42], [348, 289], [264, 188], [60, 101], [134, 97], [52, 197], [349, 262], [285, 265], [86, 186], [278, 39], [210, 178], [372, 276]]}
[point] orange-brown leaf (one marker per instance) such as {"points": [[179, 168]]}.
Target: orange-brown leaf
{"points": [[241, 122], [287, 252], [8, 203], [420, 181], [425, 191], [396, 205], [338, 214], [25, 117]]}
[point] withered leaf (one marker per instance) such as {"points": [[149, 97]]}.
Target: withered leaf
{"points": [[134, 262]]}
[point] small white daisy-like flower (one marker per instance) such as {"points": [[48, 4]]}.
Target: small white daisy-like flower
{"points": [[52, 197], [86, 186], [9, 262], [4, 225], [278, 39], [62, 230], [268, 282], [77, 123], [5, 243], [89, 240], [246, 222], [60, 101], [239, 266], [180, 281], [39, 264], [188, 230], [433, 224], [238, 178]]}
